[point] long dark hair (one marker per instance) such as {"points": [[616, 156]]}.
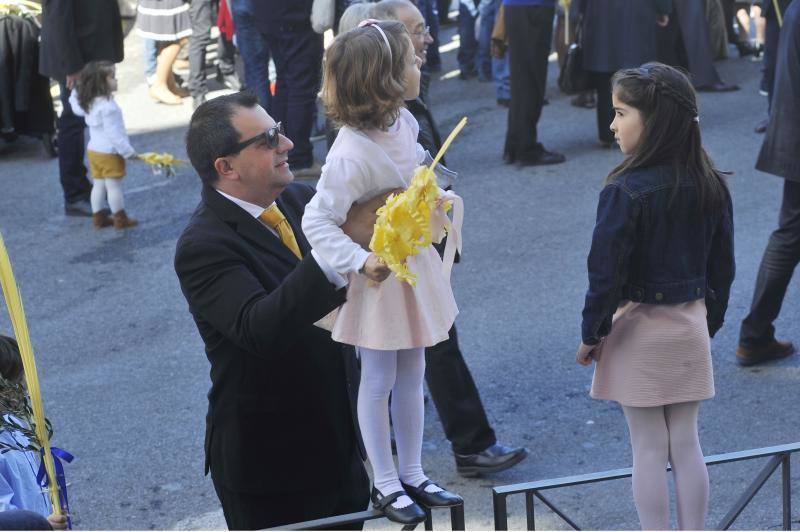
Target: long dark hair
{"points": [[93, 82], [666, 100]]}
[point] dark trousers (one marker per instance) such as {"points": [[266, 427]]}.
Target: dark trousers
{"points": [[298, 56], [691, 18], [203, 14], [468, 42], [530, 30], [456, 398], [70, 152], [254, 50], [605, 109], [777, 266], [254, 511]]}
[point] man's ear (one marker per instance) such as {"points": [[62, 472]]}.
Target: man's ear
{"points": [[224, 168]]}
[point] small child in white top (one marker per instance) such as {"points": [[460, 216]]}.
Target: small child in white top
{"points": [[368, 73], [109, 145]]}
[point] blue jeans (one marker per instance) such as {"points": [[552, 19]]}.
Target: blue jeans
{"points": [[254, 50], [150, 55], [468, 47], [490, 67], [431, 16]]}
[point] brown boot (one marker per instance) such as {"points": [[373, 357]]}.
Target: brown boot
{"points": [[121, 220], [102, 219], [774, 350]]}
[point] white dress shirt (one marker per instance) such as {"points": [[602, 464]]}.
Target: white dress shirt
{"points": [[255, 211]]}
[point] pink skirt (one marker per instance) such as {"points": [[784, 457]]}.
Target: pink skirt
{"points": [[395, 315], [656, 355]]}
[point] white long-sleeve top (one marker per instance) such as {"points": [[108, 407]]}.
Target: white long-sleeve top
{"points": [[106, 126], [357, 169]]}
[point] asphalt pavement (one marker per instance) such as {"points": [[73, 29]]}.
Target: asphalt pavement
{"points": [[124, 376]]}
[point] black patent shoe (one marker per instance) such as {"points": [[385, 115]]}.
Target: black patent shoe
{"points": [[439, 499], [409, 515]]}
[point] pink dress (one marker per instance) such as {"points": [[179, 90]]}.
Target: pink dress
{"points": [[390, 315]]}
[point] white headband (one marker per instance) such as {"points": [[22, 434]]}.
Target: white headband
{"points": [[374, 23]]}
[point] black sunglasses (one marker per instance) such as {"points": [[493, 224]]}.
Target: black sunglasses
{"points": [[271, 136]]}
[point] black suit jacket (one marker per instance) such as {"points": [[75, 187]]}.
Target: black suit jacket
{"points": [[279, 416], [75, 32]]}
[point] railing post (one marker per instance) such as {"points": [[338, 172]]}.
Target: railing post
{"points": [[529, 509], [457, 518], [500, 511], [786, 477]]}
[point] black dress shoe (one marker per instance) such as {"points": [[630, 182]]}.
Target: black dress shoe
{"points": [[718, 87], [439, 499], [496, 458], [409, 515], [774, 350], [543, 158]]}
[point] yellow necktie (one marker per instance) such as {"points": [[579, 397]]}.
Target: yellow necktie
{"points": [[275, 219]]}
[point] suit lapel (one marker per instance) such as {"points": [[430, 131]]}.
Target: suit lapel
{"points": [[247, 226]]}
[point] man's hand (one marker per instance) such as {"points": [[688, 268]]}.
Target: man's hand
{"points": [[72, 80], [58, 522], [361, 219], [375, 269]]}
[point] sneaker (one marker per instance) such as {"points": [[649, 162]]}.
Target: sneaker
{"points": [[774, 350], [80, 207]]}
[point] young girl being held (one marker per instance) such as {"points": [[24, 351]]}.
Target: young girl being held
{"points": [[368, 73], [109, 145], [660, 270]]}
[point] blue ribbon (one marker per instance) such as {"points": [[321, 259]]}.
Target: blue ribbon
{"points": [[41, 478]]}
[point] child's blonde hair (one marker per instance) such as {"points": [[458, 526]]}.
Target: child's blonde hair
{"points": [[93, 82], [363, 79]]}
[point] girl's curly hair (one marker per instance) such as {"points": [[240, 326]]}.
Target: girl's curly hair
{"points": [[93, 82], [362, 83]]}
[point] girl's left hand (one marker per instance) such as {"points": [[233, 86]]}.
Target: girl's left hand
{"points": [[585, 353]]}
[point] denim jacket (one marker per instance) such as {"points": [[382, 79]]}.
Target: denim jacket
{"points": [[652, 248]]}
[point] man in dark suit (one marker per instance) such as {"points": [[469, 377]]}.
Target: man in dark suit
{"points": [[280, 435], [73, 34]]}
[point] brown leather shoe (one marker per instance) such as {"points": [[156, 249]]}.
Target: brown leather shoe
{"points": [[121, 220], [748, 356], [102, 219]]}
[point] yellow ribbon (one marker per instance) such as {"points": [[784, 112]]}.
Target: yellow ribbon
{"points": [[166, 161], [403, 226], [20, 324]]}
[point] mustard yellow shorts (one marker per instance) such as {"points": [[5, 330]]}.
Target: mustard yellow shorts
{"points": [[103, 165]]}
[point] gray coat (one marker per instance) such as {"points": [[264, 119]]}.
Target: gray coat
{"points": [[620, 33], [780, 153]]}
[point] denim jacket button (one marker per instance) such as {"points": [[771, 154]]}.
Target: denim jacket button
{"points": [[638, 294], [659, 296], [699, 291]]}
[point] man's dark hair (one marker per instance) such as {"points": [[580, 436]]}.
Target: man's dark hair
{"points": [[211, 134], [10, 360]]}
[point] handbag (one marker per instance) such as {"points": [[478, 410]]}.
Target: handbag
{"points": [[323, 14], [573, 78]]}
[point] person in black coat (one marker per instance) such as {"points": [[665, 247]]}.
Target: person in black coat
{"points": [[73, 34], [280, 439], [617, 34], [778, 156]]}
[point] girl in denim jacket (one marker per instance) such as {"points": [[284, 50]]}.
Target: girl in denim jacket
{"points": [[660, 270]]}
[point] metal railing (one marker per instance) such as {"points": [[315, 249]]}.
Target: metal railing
{"points": [[778, 456], [456, 520]]}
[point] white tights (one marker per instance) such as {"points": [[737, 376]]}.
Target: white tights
{"points": [[110, 186], [400, 373], [661, 434]]}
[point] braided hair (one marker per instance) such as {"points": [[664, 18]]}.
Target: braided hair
{"points": [[671, 135]]}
